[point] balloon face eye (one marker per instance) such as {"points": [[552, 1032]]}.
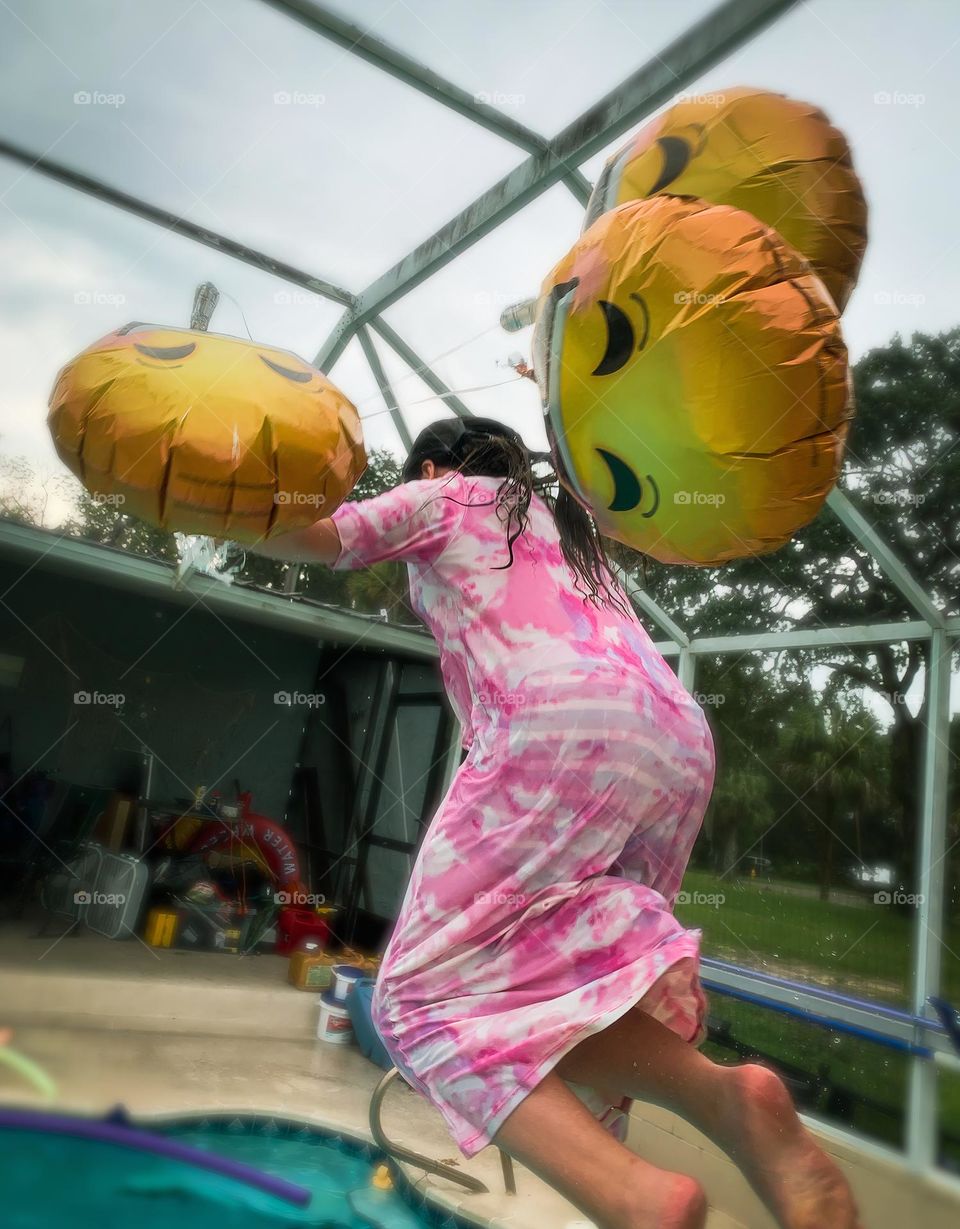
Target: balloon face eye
{"points": [[628, 491], [166, 354], [676, 154], [676, 158], [288, 373], [622, 339]]}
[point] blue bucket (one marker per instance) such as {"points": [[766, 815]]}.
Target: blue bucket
{"points": [[368, 1039]]}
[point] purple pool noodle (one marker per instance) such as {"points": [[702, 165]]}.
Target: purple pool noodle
{"points": [[159, 1145]]}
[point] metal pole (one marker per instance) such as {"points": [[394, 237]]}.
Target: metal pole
{"points": [[336, 342], [890, 563], [386, 391], [931, 886], [652, 607], [400, 1153], [701, 46], [171, 221], [687, 669]]}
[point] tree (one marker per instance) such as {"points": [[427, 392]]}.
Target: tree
{"points": [[29, 497], [378, 588], [903, 472], [828, 756], [742, 698], [104, 520]]}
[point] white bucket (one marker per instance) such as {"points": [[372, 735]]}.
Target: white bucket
{"points": [[345, 977], [333, 1024]]}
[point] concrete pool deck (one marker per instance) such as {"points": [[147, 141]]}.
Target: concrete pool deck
{"points": [[170, 1033]]}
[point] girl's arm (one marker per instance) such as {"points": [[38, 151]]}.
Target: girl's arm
{"points": [[412, 522], [318, 543]]}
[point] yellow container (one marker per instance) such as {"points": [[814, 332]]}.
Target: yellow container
{"points": [[312, 970], [182, 831], [369, 964], [161, 928]]}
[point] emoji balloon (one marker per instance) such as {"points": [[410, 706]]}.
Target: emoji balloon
{"points": [[206, 433], [777, 158], [694, 380]]}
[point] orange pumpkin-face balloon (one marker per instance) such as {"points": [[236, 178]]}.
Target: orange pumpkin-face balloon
{"points": [[694, 380], [774, 157], [205, 433]]}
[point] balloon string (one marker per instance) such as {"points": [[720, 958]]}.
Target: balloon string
{"points": [[229, 296], [453, 392], [459, 346], [428, 363], [414, 371]]}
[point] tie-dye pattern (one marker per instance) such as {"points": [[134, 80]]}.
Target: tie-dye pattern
{"points": [[539, 909]]}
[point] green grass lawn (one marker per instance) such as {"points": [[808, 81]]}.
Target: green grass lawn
{"points": [[859, 949], [864, 950]]}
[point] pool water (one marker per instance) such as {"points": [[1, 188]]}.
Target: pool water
{"points": [[59, 1182]]}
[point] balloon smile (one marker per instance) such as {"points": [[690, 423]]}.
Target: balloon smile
{"points": [[656, 497]]}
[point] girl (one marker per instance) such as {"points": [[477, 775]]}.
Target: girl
{"points": [[536, 980]]}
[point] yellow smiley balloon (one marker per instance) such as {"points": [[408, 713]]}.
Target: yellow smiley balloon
{"points": [[205, 433], [775, 157], [694, 379]]}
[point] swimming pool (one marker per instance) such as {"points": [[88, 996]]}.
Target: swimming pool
{"points": [[55, 1181]]}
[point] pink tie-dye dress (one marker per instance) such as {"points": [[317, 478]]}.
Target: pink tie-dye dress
{"points": [[539, 909]]}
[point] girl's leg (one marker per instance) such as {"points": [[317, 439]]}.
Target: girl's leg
{"points": [[746, 1110], [556, 1136]]}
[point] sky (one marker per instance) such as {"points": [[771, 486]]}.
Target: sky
{"points": [[233, 114]]}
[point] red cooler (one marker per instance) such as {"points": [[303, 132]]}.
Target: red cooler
{"points": [[295, 924]]}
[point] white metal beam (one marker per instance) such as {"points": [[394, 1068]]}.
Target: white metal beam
{"points": [[171, 221], [704, 44], [386, 389], [652, 607], [812, 638], [123, 570], [899, 1026], [931, 889], [890, 563]]}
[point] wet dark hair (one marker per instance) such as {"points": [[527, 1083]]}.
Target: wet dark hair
{"points": [[483, 447]]}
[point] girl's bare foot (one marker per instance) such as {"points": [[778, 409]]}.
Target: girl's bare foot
{"points": [[659, 1199], [799, 1183]]}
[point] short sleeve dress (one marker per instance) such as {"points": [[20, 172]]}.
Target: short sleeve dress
{"points": [[539, 909]]}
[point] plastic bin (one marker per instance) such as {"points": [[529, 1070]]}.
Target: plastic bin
{"points": [[367, 1037]]}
